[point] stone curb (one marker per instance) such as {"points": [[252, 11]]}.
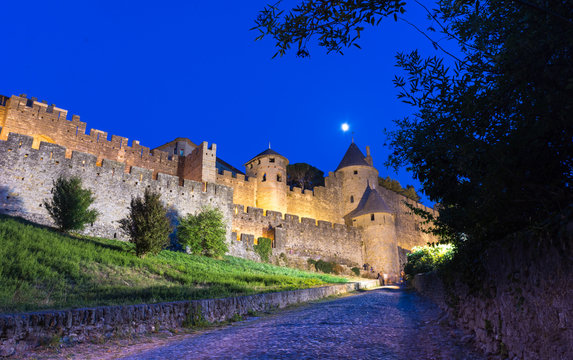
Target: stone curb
{"points": [[19, 332]]}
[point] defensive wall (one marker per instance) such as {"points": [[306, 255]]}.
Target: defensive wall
{"points": [[301, 238], [27, 175], [320, 203], [313, 226], [48, 123]]}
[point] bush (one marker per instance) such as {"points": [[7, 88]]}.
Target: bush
{"points": [[69, 204], [147, 224], [356, 271], [203, 233], [427, 258], [264, 248], [326, 267]]}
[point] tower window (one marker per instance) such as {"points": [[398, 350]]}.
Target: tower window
{"points": [[279, 179], [181, 152], [251, 166], [355, 172], [272, 160], [351, 198], [371, 217], [264, 177], [259, 161]]}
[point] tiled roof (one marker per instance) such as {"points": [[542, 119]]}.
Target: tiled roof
{"points": [[353, 156], [370, 203]]}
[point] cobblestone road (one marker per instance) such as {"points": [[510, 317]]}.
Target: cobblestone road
{"points": [[379, 324]]}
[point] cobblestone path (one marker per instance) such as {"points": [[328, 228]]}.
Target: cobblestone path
{"points": [[379, 324]]}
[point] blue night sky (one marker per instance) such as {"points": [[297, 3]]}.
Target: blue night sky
{"points": [[153, 71]]}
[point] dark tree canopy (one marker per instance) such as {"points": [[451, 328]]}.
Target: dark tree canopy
{"points": [[395, 186], [304, 176], [491, 138]]}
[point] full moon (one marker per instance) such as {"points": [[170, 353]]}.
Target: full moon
{"points": [[345, 127]]}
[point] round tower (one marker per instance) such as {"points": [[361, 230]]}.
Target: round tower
{"points": [[269, 170], [355, 172], [377, 222]]}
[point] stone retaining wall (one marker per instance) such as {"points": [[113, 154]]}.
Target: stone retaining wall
{"points": [[524, 308], [19, 332]]}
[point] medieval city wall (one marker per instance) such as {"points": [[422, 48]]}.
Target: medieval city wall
{"points": [[319, 204], [301, 237], [408, 228], [244, 189], [27, 175], [50, 124]]}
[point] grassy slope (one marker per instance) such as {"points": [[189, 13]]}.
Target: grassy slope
{"points": [[41, 268]]}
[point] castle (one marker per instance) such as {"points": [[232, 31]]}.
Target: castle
{"points": [[351, 220]]}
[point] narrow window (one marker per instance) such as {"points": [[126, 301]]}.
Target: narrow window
{"points": [[279, 178], [355, 172], [264, 177], [371, 217], [351, 198], [181, 152], [272, 160], [175, 151]]}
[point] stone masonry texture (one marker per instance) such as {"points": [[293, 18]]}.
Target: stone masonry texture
{"points": [[38, 143], [20, 332]]}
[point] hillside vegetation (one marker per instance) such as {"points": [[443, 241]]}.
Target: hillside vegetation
{"points": [[43, 269]]}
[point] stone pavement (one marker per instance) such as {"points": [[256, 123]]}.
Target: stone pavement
{"points": [[387, 323]]}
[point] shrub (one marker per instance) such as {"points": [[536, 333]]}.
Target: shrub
{"points": [[356, 271], [69, 204], [427, 258], [264, 248], [203, 233], [147, 224]]}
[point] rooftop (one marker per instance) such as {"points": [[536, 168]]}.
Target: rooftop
{"points": [[353, 156]]}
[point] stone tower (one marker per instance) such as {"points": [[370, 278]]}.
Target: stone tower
{"points": [[269, 170], [363, 207], [377, 222], [355, 172]]}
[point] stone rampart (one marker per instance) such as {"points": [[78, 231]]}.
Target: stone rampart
{"points": [[301, 237], [408, 226], [50, 124], [27, 175], [319, 203], [20, 332]]}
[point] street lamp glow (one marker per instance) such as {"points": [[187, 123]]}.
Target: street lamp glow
{"points": [[345, 127]]}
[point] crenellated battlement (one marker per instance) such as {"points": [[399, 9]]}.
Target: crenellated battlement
{"points": [[255, 214], [49, 123], [20, 146]]}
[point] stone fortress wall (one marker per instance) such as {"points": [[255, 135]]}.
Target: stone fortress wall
{"points": [[312, 225], [27, 175]]}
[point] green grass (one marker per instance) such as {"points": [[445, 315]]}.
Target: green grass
{"points": [[43, 269]]}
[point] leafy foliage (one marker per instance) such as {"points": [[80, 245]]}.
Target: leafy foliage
{"points": [[44, 269], [427, 258], [264, 248], [147, 224], [69, 204], [356, 271], [204, 233], [326, 266], [491, 139], [337, 24], [395, 186], [304, 176]]}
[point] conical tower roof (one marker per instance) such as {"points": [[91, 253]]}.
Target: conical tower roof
{"points": [[353, 156], [268, 151], [370, 203]]}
